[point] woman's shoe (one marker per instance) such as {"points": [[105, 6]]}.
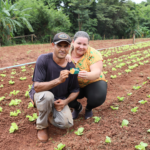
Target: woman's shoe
{"points": [[88, 114], [75, 112]]}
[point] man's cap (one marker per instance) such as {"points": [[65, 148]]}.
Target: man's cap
{"points": [[59, 37]]}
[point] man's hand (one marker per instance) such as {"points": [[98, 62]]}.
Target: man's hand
{"points": [[63, 75], [59, 104]]}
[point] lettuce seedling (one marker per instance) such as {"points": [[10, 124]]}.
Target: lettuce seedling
{"points": [[3, 75], [114, 108], [23, 78], [1, 86], [1, 109], [60, 146], [114, 69], [113, 76], [125, 123], [105, 72], [15, 113], [148, 96], [14, 92], [30, 105], [23, 67], [1, 98], [15, 102], [129, 94], [120, 98], [13, 127], [144, 82], [32, 118], [97, 119], [11, 82], [119, 73], [128, 70], [146, 61], [79, 131], [148, 130], [141, 146], [27, 94], [148, 78], [108, 139], [30, 86], [140, 63], [134, 109], [136, 87], [142, 101], [23, 70], [13, 72]]}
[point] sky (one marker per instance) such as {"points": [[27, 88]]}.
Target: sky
{"points": [[138, 1]]}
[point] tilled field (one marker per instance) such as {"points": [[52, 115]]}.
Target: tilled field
{"points": [[127, 70]]}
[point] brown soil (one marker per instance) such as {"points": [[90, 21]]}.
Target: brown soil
{"points": [[94, 133], [14, 55]]}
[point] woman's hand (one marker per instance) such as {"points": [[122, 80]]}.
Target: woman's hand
{"points": [[83, 74], [68, 58]]}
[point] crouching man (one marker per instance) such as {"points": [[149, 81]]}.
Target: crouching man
{"points": [[54, 87]]}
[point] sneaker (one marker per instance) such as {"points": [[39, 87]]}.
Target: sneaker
{"points": [[88, 114], [75, 112]]}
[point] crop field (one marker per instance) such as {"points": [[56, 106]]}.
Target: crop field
{"points": [[121, 123]]}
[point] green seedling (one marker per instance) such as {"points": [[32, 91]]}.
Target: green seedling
{"points": [[27, 94], [23, 70], [142, 101], [1, 86], [134, 109], [2, 80], [15, 102], [148, 78], [136, 87], [11, 82], [15, 113], [1, 109], [32, 118], [23, 78], [144, 82], [96, 119], [140, 63], [105, 72], [14, 92], [119, 73], [114, 108], [148, 130], [3, 75], [114, 69], [79, 131], [113, 76], [108, 139], [30, 86], [120, 98], [13, 72], [60, 146], [148, 96], [2, 98], [128, 70], [146, 61], [30, 105], [13, 127], [124, 123], [11, 77], [129, 94], [23, 67], [141, 146]]}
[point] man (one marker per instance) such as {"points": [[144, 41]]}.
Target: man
{"points": [[54, 87]]}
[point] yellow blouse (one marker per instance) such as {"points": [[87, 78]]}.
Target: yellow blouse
{"points": [[90, 57]]}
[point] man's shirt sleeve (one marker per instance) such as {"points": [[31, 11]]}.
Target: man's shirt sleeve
{"points": [[39, 71]]}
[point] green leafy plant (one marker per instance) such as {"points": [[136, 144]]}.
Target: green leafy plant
{"points": [[79, 131], [30, 105], [120, 98], [142, 101], [14, 92], [125, 123], [3, 75], [129, 94], [1, 86], [105, 72], [23, 67], [15, 102], [128, 70], [144, 82], [114, 69], [140, 63], [23, 70], [114, 108], [148, 130], [23, 78], [29, 86], [108, 139], [60, 146], [113, 76], [148, 96], [148, 78], [32, 118], [1, 109], [141, 146], [134, 109], [119, 73], [13, 72], [2, 98], [15, 113], [136, 87], [11, 82], [96, 119], [13, 127], [27, 94]]}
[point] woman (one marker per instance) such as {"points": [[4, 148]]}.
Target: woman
{"points": [[91, 80]]}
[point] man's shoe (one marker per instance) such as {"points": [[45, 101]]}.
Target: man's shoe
{"points": [[42, 135], [88, 114], [75, 112]]}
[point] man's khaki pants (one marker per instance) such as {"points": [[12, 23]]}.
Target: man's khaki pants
{"points": [[44, 102]]}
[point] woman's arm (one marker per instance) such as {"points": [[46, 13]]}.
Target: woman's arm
{"points": [[95, 71]]}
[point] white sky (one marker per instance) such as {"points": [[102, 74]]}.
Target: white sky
{"points": [[138, 1]]}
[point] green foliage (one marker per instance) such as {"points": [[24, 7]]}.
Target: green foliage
{"points": [[79, 131], [1, 109], [15, 113], [96, 119], [114, 108], [2, 98], [60, 146], [13, 127], [32, 118], [134, 109], [108, 139], [120, 98], [11, 82], [27, 94], [23, 78], [3, 75], [15, 102], [136, 87], [30, 105], [142, 101], [125, 123], [141, 146], [14, 92]]}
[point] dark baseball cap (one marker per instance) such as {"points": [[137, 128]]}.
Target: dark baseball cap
{"points": [[59, 37]]}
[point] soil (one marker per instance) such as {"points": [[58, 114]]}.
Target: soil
{"points": [[15, 55], [94, 133]]}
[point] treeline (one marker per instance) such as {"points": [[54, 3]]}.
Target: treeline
{"points": [[102, 19]]}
